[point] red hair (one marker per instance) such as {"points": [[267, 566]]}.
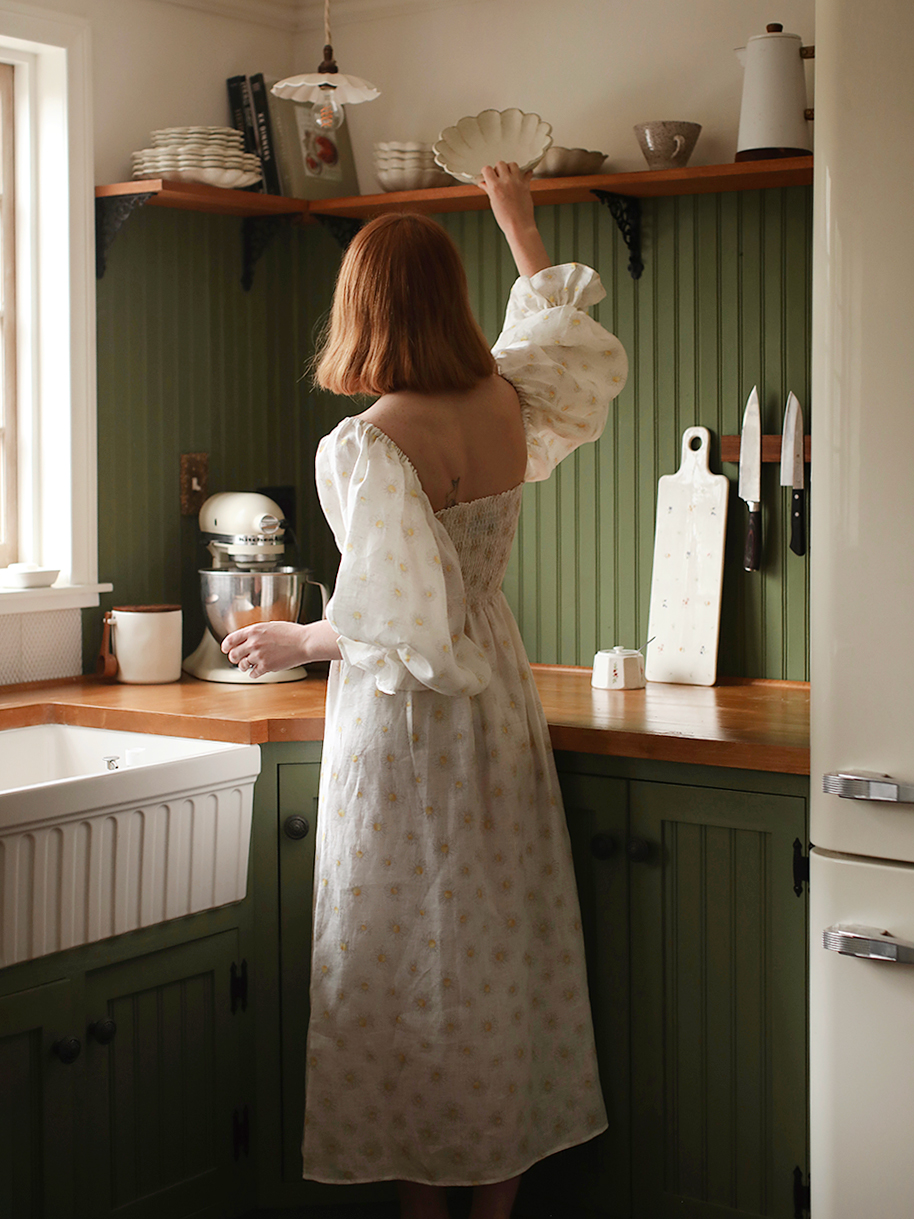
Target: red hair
{"points": [[401, 316]]}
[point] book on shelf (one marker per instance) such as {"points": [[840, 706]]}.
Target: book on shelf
{"points": [[312, 164], [272, 178], [242, 111]]}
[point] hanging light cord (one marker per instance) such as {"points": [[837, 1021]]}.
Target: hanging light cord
{"points": [[329, 63]]}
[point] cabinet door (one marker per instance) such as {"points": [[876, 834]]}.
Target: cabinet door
{"points": [[37, 1103], [719, 998], [297, 798], [164, 1121], [298, 785], [593, 1179]]}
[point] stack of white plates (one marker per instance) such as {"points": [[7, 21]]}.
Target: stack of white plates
{"points": [[214, 155], [408, 166]]}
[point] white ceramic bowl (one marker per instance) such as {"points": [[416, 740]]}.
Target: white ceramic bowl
{"points": [[494, 135], [401, 146], [230, 179], [568, 163], [413, 179], [28, 575]]}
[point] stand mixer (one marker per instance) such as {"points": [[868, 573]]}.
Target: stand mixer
{"points": [[244, 533]]}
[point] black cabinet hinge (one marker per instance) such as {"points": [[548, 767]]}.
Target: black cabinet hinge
{"points": [[800, 868], [241, 1133], [801, 1198], [239, 987]]}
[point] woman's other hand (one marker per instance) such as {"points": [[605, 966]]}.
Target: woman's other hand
{"points": [[269, 647], [512, 205]]}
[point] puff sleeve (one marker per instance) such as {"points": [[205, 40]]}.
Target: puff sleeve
{"points": [[399, 604], [565, 366]]}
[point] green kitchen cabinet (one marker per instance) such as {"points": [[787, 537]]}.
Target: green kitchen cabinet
{"points": [[165, 1097], [285, 833], [125, 1077], [696, 944], [37, 1102]]}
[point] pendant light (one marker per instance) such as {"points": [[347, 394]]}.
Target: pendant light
{"points": [[327, 89]]}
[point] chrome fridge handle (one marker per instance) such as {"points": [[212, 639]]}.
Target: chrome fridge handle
{"points": [[867, 942], [866, 785]]}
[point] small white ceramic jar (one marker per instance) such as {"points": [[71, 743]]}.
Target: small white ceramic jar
{"points": [[618, 669], [147, 643]]}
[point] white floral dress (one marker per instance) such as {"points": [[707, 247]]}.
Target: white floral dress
{"points": [[450, 1040]]}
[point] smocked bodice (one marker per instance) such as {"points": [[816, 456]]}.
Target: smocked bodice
{"points": [[483, 533]]}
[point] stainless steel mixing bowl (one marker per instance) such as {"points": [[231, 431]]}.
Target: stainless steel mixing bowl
{"points": [[233, 599]]}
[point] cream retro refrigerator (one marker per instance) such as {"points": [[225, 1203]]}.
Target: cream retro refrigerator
{"points": [[862, 573]]}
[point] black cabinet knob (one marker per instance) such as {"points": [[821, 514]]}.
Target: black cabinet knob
{"points": [[296, 827], [67, 1049], [638, 850], [602, 846], [103, 1031]]}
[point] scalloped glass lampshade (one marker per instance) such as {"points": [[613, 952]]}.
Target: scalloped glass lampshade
{"points": [[312, 86]]}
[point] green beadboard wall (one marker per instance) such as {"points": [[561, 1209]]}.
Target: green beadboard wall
{"points": [[189, 362]]}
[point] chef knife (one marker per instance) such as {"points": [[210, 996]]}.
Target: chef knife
{"points": [[792, 471], [750, 479]]}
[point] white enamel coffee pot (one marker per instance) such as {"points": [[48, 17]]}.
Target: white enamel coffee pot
{"points": [[772, 120]]}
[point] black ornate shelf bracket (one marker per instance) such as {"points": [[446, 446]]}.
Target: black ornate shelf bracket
{"points": [[341, 228], [626, 211], [256, 234], [111, 213]]}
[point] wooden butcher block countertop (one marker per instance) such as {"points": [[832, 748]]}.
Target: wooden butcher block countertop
{"points": [[742, 723]]}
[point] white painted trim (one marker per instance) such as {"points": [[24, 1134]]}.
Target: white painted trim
{"points": [[56, 257], [33, 600]]}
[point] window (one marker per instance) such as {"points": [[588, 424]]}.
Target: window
{"points": [[8, 451], [48, 54]]}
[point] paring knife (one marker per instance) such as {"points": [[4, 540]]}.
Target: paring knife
{"points": [[792, 470], [750, 479]]}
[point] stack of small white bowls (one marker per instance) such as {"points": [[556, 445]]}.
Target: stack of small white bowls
{"points": [[408, 166], [214, 155]]}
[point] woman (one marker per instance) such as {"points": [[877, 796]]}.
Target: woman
{"points": [[450, 1040]]}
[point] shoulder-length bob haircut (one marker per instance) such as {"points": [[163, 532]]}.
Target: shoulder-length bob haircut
{"points": [[401, 317]]}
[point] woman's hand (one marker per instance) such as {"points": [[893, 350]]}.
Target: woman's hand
{"points": [[512, 205], [268, 647]]}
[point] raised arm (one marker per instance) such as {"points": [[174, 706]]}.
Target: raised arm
{"points": [[512, 205]]}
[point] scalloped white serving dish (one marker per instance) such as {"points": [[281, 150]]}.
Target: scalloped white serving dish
{"points": [[568, 163], [409, 178], [229, 179], [401, 146], [491, 136]]}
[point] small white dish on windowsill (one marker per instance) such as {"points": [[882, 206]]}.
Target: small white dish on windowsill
{"points": [[27, 575]]}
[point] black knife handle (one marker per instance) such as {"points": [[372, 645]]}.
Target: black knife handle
{"points": [[798, 522], [752, 553]]}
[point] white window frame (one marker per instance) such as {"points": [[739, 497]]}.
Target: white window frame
{"points": [[55, 277]]}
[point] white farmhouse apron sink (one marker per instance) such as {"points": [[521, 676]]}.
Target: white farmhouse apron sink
{"points": [[103, 832]]}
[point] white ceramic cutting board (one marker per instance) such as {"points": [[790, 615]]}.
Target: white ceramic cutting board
{"points": [[688, 570]]}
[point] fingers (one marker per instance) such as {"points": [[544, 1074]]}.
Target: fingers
{"points": [[240, 649], [500, 173]]}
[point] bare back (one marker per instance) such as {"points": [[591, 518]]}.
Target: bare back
{"points": [[464, 445]]}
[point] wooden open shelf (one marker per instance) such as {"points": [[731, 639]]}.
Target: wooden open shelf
{"points": [[643, 184], [197, 197]]}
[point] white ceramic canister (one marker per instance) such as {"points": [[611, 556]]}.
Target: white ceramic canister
{"points": [[772, 119], [618, 669], [147, 643]]}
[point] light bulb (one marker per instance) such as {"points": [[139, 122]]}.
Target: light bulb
{"points": [[327, 114]]}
